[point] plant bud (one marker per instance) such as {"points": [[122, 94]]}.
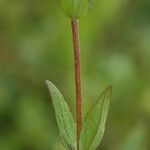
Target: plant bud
{"points": [[75, 8]]}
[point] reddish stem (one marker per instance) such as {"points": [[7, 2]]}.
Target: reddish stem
{"points": [[76, 45]]}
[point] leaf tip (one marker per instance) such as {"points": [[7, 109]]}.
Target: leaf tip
{"points": [[47, 81], [109, 88], [50, 85], [107, 92]]}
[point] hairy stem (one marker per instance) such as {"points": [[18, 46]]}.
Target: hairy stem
{"points": [[76, 45]]}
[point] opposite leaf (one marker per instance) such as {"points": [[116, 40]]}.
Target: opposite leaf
{"points": [[64, 118], [75, 8], [94, 124]]}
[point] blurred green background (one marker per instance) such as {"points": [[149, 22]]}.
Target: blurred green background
{"points": [[36, 44]]}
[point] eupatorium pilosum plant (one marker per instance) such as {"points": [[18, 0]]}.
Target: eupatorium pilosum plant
{"points": [[85, 135]]}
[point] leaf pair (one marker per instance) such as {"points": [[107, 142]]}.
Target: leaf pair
{"points": [[93, 126], [75, 8]]}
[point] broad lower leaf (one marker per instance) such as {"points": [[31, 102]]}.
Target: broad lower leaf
{"points": [[94, 124], [66, 125], [75, 8]]}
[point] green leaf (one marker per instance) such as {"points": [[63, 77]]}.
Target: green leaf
{"points": [[94, 124], [75, 8], [65, 122]]}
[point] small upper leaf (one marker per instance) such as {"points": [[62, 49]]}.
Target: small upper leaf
{"points": [[75, 8], [94, 124], [66, 125]]}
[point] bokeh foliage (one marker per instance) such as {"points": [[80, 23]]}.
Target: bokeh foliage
{"points": [[36, 44]]}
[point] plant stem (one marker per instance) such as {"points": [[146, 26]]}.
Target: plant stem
{"points": [[76, 45]]}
